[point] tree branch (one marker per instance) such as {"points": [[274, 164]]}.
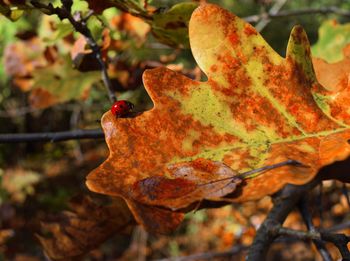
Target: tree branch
{"points": [[81, 27], [339, 240], [284, 203], [337, 227], [275, 9], [306, 11], [305, 213], [52, 136]]}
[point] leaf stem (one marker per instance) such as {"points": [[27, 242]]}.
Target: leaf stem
{"points": [[253, 173]]}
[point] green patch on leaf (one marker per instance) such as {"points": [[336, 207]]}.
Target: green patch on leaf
{"points": [[333, 37]]}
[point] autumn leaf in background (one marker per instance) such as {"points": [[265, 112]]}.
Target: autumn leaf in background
{"points": [[45, 69], [55, 65], [331, 60], [169, 26], [18, 183], [74, 233], [255, 110], [12, 9], [332, 39]]}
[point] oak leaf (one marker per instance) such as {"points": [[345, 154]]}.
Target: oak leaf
{"points": [[171, 26], [333, 37], [73, 233], [335, 78], [332, 65], [60, 82], [256, 109], [331, 60], [47, 73]]}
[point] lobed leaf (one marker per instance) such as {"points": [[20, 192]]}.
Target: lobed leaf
{"points": [[333, 74], [333, 37], [75, 233], [256, 109], [171, 27]]}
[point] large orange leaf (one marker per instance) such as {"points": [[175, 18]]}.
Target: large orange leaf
{"points": [[256, 109]]}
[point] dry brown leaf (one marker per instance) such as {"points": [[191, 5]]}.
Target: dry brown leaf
{"points": [[74, 234]]}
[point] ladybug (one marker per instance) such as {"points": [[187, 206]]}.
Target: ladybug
{"points": [[121, 108]]}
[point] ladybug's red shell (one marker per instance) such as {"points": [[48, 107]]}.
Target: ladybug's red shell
{"points": [[121, 108]]}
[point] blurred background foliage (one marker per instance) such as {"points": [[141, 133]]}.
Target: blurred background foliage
{"points": [[40, 178]]}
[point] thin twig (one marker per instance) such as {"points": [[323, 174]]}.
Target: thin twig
{"points": [[301, 235], [320, 245], [81, 27], [337, 227], [273, 11], [208, 255], [340, 241], [305, 11], [52, 136]]}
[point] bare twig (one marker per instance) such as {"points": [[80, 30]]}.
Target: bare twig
{"points": [[320, 245], [337, 227], [306, 11], [339, 240], [208, 255], [81, 27], [273, 11], [301, 235], [52, 136]]}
